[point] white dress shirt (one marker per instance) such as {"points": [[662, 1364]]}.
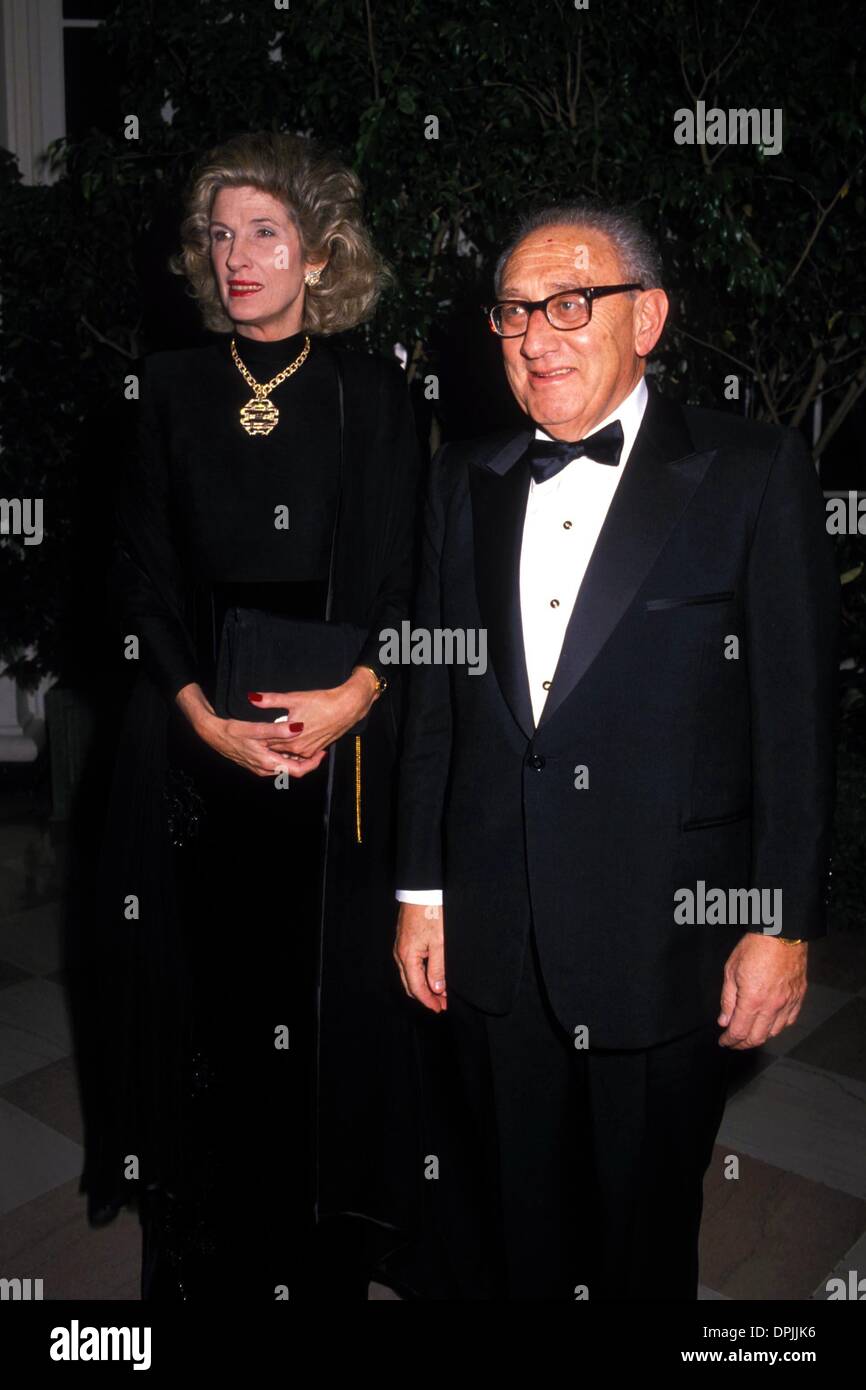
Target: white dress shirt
{"points": [[564, 517]]}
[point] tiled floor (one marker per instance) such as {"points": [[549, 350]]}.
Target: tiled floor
{"points": [[796, 1119], [785, 1194]]}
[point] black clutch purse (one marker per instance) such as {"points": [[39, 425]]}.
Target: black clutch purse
{"points": [[267, 651], [261, 650]]}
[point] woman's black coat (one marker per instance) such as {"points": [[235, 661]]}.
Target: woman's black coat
{"points": [[370, 1145]]}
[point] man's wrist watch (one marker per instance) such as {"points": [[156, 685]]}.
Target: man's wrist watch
{"points": [[381, 682]]}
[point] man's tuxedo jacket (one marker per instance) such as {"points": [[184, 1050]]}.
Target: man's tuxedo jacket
{"points": [[702, 765]]}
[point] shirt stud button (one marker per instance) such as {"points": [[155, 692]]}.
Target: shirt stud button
{"points": [[545, 685], [554, 603], [566, 526]]}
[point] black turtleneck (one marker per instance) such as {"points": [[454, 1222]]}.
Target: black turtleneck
{"points": [[232, 483], [272, 355], [204, 495]]}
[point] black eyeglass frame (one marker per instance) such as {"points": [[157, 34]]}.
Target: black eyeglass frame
{"points": [[587, 292]]}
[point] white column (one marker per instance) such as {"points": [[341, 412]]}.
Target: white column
{"points": [[34, 108], [22, 721], [32, 114]]}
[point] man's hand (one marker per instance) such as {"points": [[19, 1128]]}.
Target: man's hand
{"points": [[765, 983], [419, 951]]}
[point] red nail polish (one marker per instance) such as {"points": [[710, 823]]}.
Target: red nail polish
{"points": [[296, 728], [254, 696]]}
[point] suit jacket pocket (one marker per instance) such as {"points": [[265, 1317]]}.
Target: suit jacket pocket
{"points": [[709, 822], [654, 605], [716, 850]]}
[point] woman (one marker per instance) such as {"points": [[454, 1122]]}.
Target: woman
{"points": [[246, 876]]}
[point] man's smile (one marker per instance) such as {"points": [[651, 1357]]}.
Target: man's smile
{"points": [[541, 375]]}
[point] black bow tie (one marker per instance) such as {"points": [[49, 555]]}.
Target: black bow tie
{"points": [[547, 457]]}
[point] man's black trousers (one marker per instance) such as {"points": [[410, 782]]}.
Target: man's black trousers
{"points": [[574, 1172]]}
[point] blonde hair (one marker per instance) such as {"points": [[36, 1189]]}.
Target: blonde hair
{"points": [[323, 198]]}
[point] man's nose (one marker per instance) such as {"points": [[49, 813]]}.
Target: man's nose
{"points": [[540, 334]]}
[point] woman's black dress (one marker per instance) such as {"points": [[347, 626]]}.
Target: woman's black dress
{"points": [[250, 879], [218, 1100]]}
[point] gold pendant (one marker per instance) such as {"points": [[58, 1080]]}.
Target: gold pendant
{"points": [[259, 415]]}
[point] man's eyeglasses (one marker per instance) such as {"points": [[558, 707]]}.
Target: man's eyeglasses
{"points": [[565, 310]]}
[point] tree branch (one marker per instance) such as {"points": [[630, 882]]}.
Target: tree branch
{"points": [[845, 406], [372, 48], [436, 247], [811, 389], [825, 213], [717, 70], [108, 342], [762, 380], [713, 348]]}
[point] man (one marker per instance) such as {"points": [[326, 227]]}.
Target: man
{"points": [[652, 738]]}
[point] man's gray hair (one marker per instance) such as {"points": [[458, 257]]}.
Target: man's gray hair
{"points": [[637, 252]]}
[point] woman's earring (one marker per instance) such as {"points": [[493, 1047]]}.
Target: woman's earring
{"points": [[312, 277]]}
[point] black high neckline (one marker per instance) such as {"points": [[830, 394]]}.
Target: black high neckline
{"points": [[275, 352]]}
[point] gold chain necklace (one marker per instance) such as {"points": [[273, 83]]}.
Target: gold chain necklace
{"points": [[260, 415]]}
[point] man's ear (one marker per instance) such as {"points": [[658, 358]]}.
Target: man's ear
{"points": [[650, 312]]}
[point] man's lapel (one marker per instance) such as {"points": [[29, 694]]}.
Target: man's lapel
{"points": [[499, 493], [661, 476]]}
